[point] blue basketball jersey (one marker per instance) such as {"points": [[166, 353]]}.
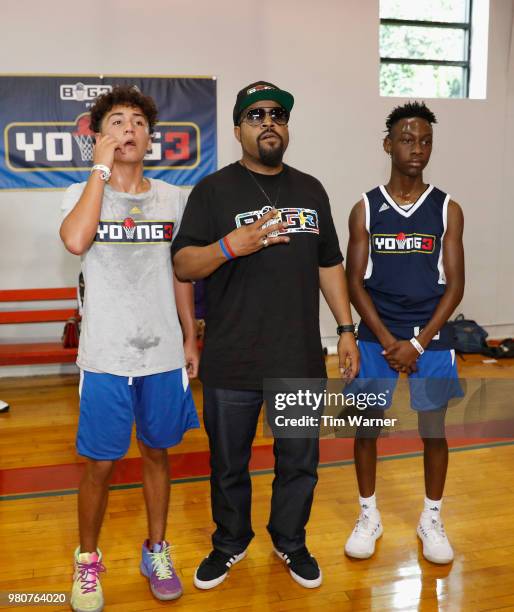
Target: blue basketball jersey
{"points": [[405, 276]]}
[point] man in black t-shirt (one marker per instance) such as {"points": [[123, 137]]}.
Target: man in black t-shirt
{"points": [[262, 322]]}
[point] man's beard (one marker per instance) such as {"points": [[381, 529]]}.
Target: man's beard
{"points": [[271, 156]]}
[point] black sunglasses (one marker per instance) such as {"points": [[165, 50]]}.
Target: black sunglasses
{"points": [[256, 116]]}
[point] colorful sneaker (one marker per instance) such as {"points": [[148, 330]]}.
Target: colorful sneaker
{"points": [[156, 565], [214, 568], [303, 567], [86, 593], [436, 547], [367, 530]]}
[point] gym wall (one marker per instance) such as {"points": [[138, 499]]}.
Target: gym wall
{"points": [[326, 53]]}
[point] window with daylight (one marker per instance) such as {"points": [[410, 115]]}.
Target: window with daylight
{"points": [[433, 48]]}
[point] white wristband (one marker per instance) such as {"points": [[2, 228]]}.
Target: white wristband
{"points": [[105, 171], [417, 345]]}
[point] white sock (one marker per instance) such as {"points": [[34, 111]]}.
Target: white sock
{"points": [[433, 506], [368, 503]]}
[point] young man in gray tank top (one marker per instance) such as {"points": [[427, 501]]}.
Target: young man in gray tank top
{"points": [[135, 355]]}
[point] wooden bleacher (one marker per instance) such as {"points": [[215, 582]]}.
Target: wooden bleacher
{"points": [[21, 353]]}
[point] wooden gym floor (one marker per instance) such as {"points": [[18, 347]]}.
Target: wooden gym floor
{"points": [[39, 472]]}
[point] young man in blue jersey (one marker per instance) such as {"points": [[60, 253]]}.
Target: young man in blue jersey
{"points": [[406, 276]]}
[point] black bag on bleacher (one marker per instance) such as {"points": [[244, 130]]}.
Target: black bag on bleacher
{"points": [[504, 350], [468, 336]]}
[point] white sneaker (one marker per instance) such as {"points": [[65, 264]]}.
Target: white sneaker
{"points": [[86, 593], [436, 547], [367, 530]]}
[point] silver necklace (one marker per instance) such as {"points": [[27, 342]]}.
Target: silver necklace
{"points": [[273, 205]]}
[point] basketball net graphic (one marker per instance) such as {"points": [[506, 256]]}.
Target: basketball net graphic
{"points": [[129, 227], [84, 139], [400, 240]]}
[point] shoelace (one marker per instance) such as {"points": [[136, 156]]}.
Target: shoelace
{"points": [[161, 563], [220, 560], [299, 557], [363, 527], [435, 530], [88, 576]]}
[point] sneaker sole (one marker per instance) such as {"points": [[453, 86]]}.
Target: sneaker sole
{"points": [[205, 585], [156, 594], [365, 555], [75, 609], [431, 558], [308, 584]]}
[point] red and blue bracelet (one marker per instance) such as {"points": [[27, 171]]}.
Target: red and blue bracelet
{"points": [[226, 248]]}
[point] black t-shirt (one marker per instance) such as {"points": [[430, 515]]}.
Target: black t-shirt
{"points": [[263, 309]]}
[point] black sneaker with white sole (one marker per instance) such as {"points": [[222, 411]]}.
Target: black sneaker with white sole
{"points": [[214, 568], [303, 567]]}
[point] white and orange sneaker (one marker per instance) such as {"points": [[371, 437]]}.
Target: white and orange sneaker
{"points": [[86, 593]]}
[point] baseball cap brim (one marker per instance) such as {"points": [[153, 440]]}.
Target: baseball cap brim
{"points": [[284, 98]]}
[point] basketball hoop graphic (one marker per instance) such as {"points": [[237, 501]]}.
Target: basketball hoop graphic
{"points": [[84, 138], [129, 227], [400, 240]]}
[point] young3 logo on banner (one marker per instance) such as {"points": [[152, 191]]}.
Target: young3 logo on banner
{"points": [[48, 142]]}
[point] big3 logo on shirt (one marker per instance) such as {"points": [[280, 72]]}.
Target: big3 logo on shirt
{"points": [[298, 219]]}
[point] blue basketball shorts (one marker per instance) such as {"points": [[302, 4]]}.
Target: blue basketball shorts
{"points": [[431, 388], [161, 405]]}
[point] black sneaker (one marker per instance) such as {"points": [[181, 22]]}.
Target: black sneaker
{"points": [[303, 567], [214, 569]]}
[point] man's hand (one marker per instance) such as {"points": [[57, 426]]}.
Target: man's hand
{"points": [[349, 358], [253, 237], [192, 355], [401, 356], [104, 150]]}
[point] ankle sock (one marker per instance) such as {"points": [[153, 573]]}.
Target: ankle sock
{"points": [[368, 503], [432, 506]]}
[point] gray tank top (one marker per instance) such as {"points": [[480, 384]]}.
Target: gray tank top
{"points": [[130, 325]]}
